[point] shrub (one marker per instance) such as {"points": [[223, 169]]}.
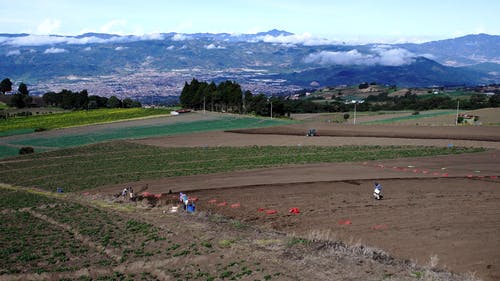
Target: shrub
{"points": [[40, 129], [26, 150]]}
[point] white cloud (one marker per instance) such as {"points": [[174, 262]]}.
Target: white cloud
{"points": [[40, 40], [395, 57], [88, 49], [301, 39], [342, 58], [54, 51], [213, 47], [48, 26], [179, 37], [120, 48], [171, 47], [13, 53], [381, 55]]}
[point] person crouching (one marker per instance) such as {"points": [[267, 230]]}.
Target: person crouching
{"points": [[377, 192]]}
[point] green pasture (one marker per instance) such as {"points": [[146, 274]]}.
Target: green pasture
{"points": [[411, 117], [117, 162]]}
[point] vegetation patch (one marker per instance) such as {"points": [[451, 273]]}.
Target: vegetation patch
{"points": [[76, 118], [72, 140]]}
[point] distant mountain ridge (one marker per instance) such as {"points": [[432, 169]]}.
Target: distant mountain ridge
{"points": [[266, 62]]}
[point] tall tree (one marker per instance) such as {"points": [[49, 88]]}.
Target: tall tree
{"points": [[23, 89], [114, 102], [5, 86]]}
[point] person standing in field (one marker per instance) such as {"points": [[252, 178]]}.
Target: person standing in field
{"points": [[377, 192]]}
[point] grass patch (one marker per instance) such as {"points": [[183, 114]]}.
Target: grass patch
{"points": [[120, 162]]}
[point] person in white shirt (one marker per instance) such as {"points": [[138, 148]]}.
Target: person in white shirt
{"points": [[377, 193]]}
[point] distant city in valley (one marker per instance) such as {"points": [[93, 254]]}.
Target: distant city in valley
{"points": [[271, 62]]}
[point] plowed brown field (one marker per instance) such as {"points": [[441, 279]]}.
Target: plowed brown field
{"points": [[445, 209]]}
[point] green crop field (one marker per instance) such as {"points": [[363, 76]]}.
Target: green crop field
{"points": [[77, 118], [411, 117], [41, 233], [223, 123], [41, 144], [119, 162]]}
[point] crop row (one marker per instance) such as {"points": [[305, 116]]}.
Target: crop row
{"points": [[117, 162], [57, 240], [29, 244]]}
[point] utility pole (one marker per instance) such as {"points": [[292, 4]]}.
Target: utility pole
{"points": [[354, 113], [271, 109], [203, 104], [456, 117]]}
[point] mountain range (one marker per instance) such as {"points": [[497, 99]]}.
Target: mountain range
{"points": [[268, 62]]}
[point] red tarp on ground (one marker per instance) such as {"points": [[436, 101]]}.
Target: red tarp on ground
{"points": [[294, 211], [270, 212], [235, 205], [147, 194], [222, 204], [380, 227], [345, 222]]}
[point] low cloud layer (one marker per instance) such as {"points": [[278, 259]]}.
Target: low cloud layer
{"points": [[54, 51], [214, 47], [40, 40], [305, 39], [13, 53], [381, 55]]}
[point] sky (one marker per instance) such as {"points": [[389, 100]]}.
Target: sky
{"points": [[393, 21]]}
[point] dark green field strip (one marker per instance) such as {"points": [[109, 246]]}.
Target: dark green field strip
{"points": [[31, 245], [66, 141], [16, 132], [119, 162], [6, 151], [224, 123]]}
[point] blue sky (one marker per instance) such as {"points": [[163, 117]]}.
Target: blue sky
{"points": [[362, 20]]}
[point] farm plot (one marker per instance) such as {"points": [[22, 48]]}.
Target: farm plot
{"points": [[120, 162], [71, 137], [44, 238]]}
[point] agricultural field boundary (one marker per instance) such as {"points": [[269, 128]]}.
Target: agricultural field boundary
{"points": [[43, 142]]}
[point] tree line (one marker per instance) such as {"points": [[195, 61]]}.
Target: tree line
{"points": [[65, 99], [411, 101], [81, 100]]}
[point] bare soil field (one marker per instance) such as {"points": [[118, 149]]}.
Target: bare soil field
{"points": [[480, 133], [441, 210]]}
